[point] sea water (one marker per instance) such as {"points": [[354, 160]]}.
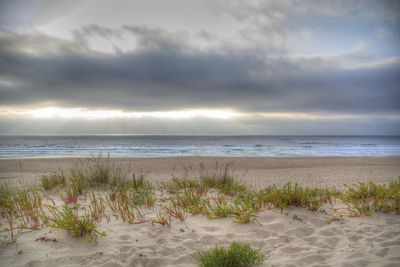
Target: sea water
{"points": [[40, 146]]}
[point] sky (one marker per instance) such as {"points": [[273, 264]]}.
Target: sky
{"points": [[317, 67]]}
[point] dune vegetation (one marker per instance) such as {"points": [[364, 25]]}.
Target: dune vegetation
{"points": [[95, 190]]}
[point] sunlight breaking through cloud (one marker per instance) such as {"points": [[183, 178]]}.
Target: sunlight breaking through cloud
{"points": [[83, 113]]}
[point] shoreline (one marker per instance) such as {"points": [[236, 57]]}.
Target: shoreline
{"points": [[213, 157], [195, 156]]}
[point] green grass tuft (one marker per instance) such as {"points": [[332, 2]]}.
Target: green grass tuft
{"points": [[365, 198], [289, 195], [161, 219], [236, 255], [7, 207], [28, 207], [52, 180], [217, 176], [75, 225], [191, 200], [221, 178]]}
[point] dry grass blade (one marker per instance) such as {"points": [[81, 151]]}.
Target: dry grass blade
{"points": [[161, 219], [176, 212]]}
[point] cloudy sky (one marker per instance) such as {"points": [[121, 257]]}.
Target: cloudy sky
{"points": [[200, 67]]}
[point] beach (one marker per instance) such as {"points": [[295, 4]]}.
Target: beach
{"points": [[253, 171], [293, 236], [199, 133]]}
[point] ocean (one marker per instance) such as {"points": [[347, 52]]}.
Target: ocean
{"points": [[42, 146]]}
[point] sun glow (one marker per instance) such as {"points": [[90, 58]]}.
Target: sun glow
{"points": [[222, 114], [83, 113]]}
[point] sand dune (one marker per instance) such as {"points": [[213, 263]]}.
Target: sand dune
{"points": [[294, 237]]}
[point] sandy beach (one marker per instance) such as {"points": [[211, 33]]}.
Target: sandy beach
{"points": [[292, 237], [253, 171], [200, 133]]}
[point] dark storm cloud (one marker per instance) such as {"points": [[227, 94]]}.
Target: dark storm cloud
{"points": [[163, 74]]}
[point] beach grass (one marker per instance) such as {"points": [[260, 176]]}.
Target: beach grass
{"points": [[71, 195], [176, 212], [295, 195], [103, 191], [191, 200], [52, 180], [176, 184], [221, 178], [236, 255], [97, 207], [161, 219], [7, 207], [28, 208], [366, 198], [77, 226], [220, 208]]}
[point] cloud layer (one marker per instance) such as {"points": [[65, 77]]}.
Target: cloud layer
{"points": [[274, 58]]}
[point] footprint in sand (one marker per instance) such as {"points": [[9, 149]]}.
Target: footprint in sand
{"points": [[301, 232], [395, 243], [261, 233], [210, 228], [391, 265], [355, 238], [111, 263], [382, 253], [312, 259], [331, 242], [125, 237], [125, 249]]}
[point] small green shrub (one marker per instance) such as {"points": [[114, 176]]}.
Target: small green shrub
{"points": [[52, 180], [236, 255]]}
